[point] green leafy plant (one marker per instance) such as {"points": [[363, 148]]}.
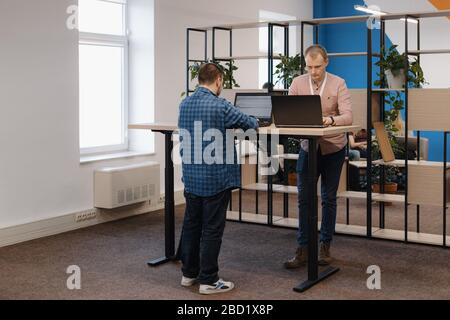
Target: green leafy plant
{"points": [[228, 69], [391, 174], [416, 76], [390, 116], [395, 62], [288, 69], [392, 60]]}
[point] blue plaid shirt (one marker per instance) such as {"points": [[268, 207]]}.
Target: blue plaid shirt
{"points": [[200, 178]]}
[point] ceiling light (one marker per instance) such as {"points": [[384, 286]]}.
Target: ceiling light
{"points": [[375, 11], [369, 10]]}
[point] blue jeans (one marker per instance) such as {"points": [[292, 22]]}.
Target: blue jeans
{"points": [[204, 223], [329, 167]]}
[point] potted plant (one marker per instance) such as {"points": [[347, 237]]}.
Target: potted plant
{"points": [[288, 69], [229, 82], [391, 177], [290, 166], [394, 64]]}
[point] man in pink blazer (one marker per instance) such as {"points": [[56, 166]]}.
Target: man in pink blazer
{"points": [[336, 111]]}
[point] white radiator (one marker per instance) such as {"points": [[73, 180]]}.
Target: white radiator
{"points": [[120, 186]]}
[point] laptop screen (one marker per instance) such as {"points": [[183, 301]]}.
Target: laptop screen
{"points": [[297, 111], [257, 105]]}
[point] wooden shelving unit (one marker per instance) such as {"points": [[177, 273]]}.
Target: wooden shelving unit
{"points": [[426, 180]]}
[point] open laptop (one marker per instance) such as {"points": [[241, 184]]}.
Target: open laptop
{"points": [[258, 105], [297, 111]]}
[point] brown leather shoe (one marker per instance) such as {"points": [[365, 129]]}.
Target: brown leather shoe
{"points": [[301, 256], [324, 254]]}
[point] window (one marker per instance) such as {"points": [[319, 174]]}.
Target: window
{"points": [[103, 56], [278, 43]]}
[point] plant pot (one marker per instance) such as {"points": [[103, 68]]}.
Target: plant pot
{"points": [[390, 188], [292, 179], [395, 81]]}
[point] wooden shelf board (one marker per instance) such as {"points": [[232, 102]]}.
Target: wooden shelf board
{"points": [[375, 196], [340, 228], [435, 51], [389, 234], [352, 195], [386, 89], [277, 188], [352, 229], [250, 217], [254, 57], [257, 187], [288, 156], [358, 164], [287, 222], [401, 163], [399, 235]]}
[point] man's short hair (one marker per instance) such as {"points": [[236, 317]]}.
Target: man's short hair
{"points": [[315, 50], [208, 73]]}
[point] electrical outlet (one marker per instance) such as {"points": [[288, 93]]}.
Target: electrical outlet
{"points": [[87, 215]]}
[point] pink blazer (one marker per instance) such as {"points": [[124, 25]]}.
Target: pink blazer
{"points": [[335, 102]]}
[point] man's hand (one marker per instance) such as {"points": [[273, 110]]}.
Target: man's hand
{"points": [[327, 121]]}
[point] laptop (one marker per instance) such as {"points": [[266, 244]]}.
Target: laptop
{"points": [[297, 111], [256, 104]]}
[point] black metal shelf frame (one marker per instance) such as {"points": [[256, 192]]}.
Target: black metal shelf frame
{"points": [[315, 24]]}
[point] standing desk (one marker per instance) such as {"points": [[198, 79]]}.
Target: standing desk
{"points": [[310, 134]]}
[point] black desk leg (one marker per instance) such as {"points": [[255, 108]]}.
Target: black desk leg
{"points": [[169, 211], [313, 267], [269, 182]]}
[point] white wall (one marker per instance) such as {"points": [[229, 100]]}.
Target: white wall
{"points": [[40, 172], [39, 166], [172, 17]]}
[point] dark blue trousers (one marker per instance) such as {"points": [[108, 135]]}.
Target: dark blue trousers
{"points": [[329, 168], [204, 223]]}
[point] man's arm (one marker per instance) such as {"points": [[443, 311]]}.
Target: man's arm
{"points": [[345, 117], [234, 118]]}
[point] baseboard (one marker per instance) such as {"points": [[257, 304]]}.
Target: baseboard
{"points": [[48, 227]]}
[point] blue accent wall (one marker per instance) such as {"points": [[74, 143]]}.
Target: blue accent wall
{"points": [[352, 37]]}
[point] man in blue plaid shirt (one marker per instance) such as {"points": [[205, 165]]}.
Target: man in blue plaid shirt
{"points": [[208, 178]]}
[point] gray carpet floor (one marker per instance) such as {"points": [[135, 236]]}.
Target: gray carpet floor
{"points": [[113, 256]]}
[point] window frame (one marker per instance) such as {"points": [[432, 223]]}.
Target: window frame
{"points": [[120, 41]]}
